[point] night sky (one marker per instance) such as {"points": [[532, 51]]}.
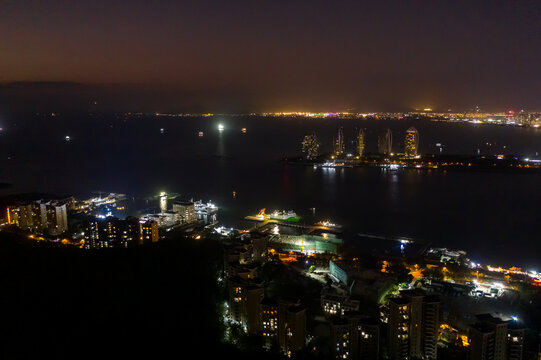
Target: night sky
{"points": [[276, 55]]}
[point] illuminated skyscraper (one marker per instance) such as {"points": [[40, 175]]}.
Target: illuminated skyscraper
{"points": [[113, 232], [310, 146], [413, 326], [269, 321], [163, 202], [25, 216], [339, 144], [385, 142], [360, 143], [354, 337], [245, 303], [54, 217], [411, 142]]}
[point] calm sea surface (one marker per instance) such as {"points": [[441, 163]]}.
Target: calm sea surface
{"points": [[494, 216]]}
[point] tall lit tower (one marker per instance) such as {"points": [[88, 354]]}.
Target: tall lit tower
{"points": [[411, 142], [163, 202], [339, 144], [385, 142], [310, 146], [360, 143]]}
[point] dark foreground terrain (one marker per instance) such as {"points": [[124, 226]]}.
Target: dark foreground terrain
{"points": [[153, 301]]}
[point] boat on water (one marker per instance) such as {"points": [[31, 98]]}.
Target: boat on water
{"points": [[392, 167], [289, 215], [329, 164], [333, 164]]}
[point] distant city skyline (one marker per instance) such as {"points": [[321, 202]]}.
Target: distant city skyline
{"points": [[62, 96]]}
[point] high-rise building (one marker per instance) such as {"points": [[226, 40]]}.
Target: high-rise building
{"points": [[91, 234], [430, 327], [245, 303], [360, 143], [398, 328], [340, 337], [413, 325], [163, 202], [25, 216], [385, 142], [149, 232], [186, 210], [54, 216], [481, 342], [365, 339], [411, 143], [515, 342], [354, 337], [129, 230], [236, 299], [495, 339], [294, 329], [282, 322], [254, 295], [269, 322], [40, 216], [339, 143], [310, 146], [111, 232]]}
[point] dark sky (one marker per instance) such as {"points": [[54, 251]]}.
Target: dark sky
{"points": [[281, 55]]}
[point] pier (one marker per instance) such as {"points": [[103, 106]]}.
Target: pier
{"points": [[262, 222]]}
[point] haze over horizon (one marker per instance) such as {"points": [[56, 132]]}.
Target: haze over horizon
{"points": [[242, 56]]}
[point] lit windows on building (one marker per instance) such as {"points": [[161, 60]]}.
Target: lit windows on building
{"points": [[361, 144], [339, 143], [411, 143], [310, 146]]}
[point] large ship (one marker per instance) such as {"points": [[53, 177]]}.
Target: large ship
{"points": [[282, 215], [289, 215]]}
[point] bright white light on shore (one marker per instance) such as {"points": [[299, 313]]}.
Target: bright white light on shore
{"points": [[515, 318], [221, 127]]}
